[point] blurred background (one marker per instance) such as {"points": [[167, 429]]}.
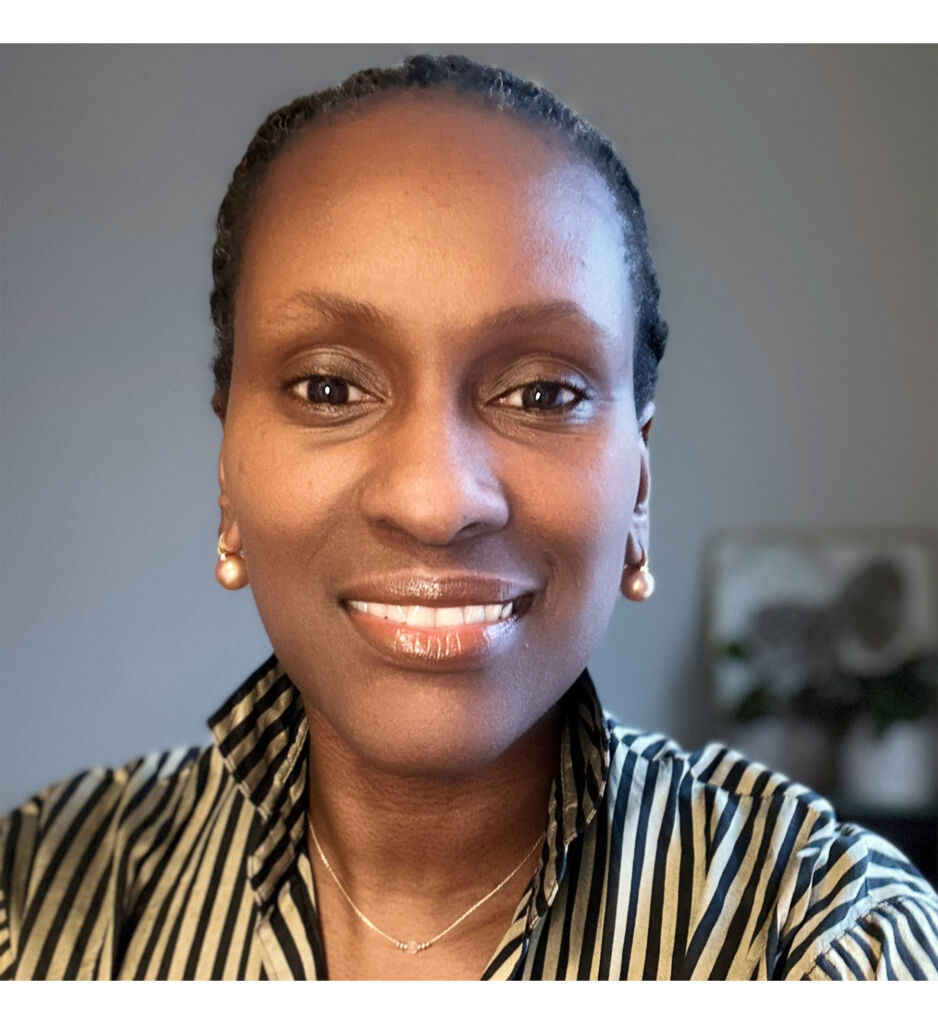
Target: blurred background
{"points": [[792, 199]]}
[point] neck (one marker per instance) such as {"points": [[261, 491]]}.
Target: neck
{"points": [[390, 835]]}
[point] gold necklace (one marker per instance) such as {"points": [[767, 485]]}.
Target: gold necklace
{"points": [[413, 946]]}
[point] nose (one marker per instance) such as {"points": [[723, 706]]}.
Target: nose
{"points": [[434, 476]]}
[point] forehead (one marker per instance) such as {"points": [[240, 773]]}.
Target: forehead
{"points": [[433, 198]]}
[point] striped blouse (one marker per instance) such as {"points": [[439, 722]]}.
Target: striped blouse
{"points": [[657, 863]]}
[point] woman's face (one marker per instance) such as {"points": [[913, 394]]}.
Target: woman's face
{"points": [[431, 419]]}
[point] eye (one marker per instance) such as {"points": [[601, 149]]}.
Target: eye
{"points": [[544, 396], [322, 389]]}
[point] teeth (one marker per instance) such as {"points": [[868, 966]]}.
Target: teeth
{"points": [[421, 615], [450, 617], [397, 613], [417, 615]]}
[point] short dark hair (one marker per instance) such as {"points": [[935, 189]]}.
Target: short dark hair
{"points": [[495, 88]]}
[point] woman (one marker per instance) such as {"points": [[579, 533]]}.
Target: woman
{"points": [[438, 335]]}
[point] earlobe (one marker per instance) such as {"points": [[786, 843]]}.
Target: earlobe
{"points": [[224, 500], [643, 493], [644, 483], [637, 582], [224, 503], [644, 421], [231, 569], [222, 488]]}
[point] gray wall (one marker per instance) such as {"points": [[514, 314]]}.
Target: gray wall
{"points": [[791, 194]]}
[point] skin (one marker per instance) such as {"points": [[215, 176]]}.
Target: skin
{"points": [[440, 214]]}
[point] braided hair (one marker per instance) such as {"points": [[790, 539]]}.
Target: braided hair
{"points": [[494, 88]]}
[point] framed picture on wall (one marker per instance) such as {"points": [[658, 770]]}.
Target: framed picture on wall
{"points": [[791, 610]]}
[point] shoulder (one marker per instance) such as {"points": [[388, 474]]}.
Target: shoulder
{"points": [[78, 807], [66, 852], [859, 909], [835, 899], [715, 768]]}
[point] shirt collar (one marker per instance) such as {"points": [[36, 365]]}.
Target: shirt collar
{"points": [[261, 731], [577, 790]]}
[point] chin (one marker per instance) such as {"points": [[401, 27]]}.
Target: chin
{"points": [[430, 732], [436, 743]]}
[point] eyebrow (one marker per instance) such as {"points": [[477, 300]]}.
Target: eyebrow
{"points": [[342, 310]]}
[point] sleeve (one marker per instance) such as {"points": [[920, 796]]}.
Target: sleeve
{"points": [[896, 940], [68, 859], [55, 868], [860, 910]]}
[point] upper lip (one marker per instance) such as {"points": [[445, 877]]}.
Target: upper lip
{"points": [[436, 590]]}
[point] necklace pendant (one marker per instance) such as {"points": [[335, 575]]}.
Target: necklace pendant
{"points": [[412, 947]]}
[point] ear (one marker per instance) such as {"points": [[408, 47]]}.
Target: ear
{"points": [[228, 527], [637, 543], [220, 406]]}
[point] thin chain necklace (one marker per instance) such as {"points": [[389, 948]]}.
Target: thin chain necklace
{"points": [[413, 946]]}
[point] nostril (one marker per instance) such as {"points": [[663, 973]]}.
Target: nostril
{"points": [[433, 494]]}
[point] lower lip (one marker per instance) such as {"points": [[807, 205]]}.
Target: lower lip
{"points": [[439, 647]]}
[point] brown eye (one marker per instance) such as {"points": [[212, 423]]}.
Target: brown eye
{"points": [[544, 396], [320, 389]]}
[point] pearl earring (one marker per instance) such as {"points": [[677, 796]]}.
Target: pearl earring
{"points": [[638, 584], [230, 570]]}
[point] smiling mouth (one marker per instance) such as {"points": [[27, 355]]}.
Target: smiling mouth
{"points": [[429, 617], [452, 637]]}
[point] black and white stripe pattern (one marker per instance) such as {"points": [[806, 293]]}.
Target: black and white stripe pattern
{"points": [[656, 864]]}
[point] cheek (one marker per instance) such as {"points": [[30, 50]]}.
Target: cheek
{"points": [[289, 498], [579, 504]]}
